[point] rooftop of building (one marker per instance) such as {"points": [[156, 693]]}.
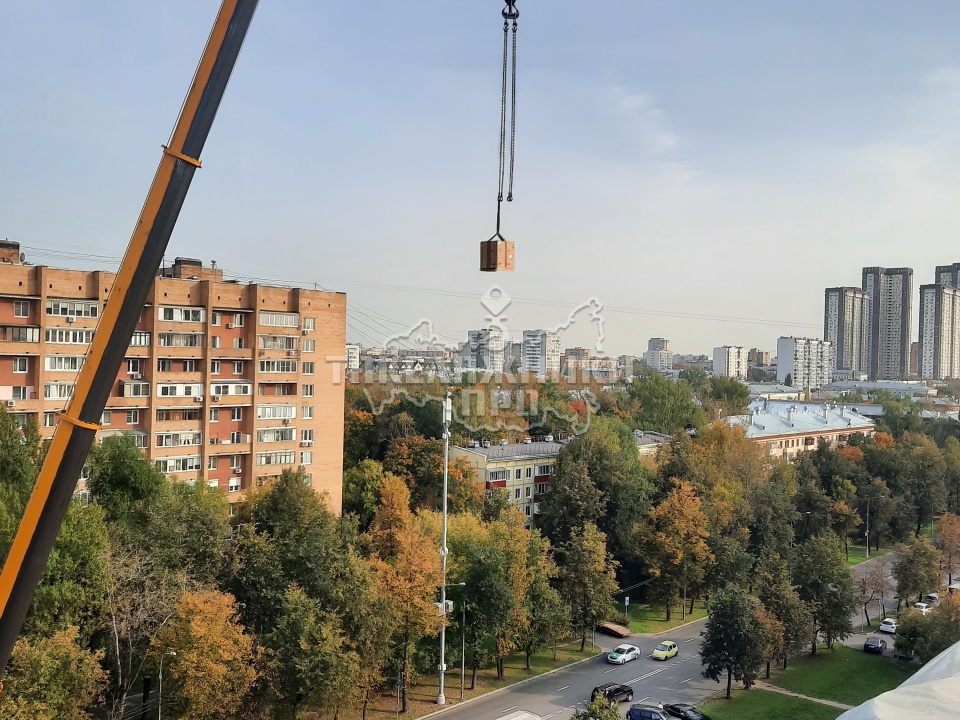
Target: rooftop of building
{"points": [[908, 387], [647, 438], [777, 419], [516, 451], [767, 389]]}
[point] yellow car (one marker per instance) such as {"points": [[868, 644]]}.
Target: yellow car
{"points": [[666, 649]]}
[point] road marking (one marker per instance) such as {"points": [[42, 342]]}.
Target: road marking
{"points": [[690, 640], [686, 681], [563, 688], [644, 699], [547, 717], [609, 671], [514, 707], [644, 677]]}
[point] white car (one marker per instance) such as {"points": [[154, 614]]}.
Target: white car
{"points": [[623, 653], [889, 625], [922, 608]]}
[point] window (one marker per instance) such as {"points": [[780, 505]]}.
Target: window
{"points": [[306, 457], [183, 314], [234, 485], [173, 339], [140, 339], [306, 435], [133, 367], [214, 367], [307, 412], [179, 464], [308, 390], [212, 462], [527, 510], [497, 475], [106, 418], [276, 412], [72, 308], [238, 319], [189, 365], [66, 337], [309, 345], [516, 494], [214, 414], [133, 417], [20, 393], [544, 470], [140, 440], [237, 343], [279, 319], [238, 367], [48, 419], [278, 342], [278, 366], [21, 308], [308, 368], [164, 365], [280, 457], [236, 462], [310, 323], [273, 435], [176, 439], [178, 414], [529, 472], [541, 488], [236, 437], [236, 414], [214, 318], [517, 474], [527, 491], [58, 391], [215, 342], [63, 362], [19, 364]]}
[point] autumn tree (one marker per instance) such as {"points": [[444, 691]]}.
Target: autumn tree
{"points": [[215, 664], [948, 538], [731, 643], [408, 567], [587, 580], [779, 598], [916, 569], [52, 678], [673, 544], [771, 632], [361, 490]]}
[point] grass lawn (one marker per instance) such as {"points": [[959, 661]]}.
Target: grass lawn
{"points": [[653, 619], [843, 674], [762, 705], [422, 697], [858, 554]]}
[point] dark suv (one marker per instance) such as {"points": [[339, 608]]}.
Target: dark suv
{"points": [[647, 712], [613, 693]]}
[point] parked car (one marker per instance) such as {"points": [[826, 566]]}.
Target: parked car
{"points": [[613, 693], [922, 608], [623, 654], [647, 712], [889, 625], [666, 649], [684, 711], [932, 599], [875, 645]]}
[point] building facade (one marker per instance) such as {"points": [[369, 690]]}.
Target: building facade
{"points": [[948, 275], [658, 356], [758, 358], [541, 353], [223, 382], [731, 361], [845, 326], [890, 319], [938, 354], [806, 360], [483, 350]]}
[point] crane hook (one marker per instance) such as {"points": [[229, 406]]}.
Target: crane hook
{"points": [[510, 12]]}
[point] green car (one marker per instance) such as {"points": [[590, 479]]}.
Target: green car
{"points": [[666, 649], [623, 653]]}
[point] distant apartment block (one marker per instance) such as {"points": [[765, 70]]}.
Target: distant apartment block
{"points": [[890, 318], [846, 326], [948, 275], [223, 383], [806, 360], [625, 363], [658, 344], [483, 350], [353, 358], [659, 360], [758, 358], [938, 354], [541, 353], [731, 361]]}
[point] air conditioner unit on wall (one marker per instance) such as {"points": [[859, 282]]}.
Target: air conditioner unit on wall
{"points": [[71, 319], [291, 352], [11, 403], [137, 376], [285, 420], [199, 398], [215, 398], [306, 443], [305, 332], [230, 326]]}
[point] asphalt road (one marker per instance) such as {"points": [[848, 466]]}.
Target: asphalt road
{"points": [[555, 696]]}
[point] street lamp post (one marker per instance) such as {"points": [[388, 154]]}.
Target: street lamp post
{"points": [[160, 685], [447, 416], [463, 644], [867, 533]]}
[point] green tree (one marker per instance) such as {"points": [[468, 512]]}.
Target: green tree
{"points": [[597, 709], [122, 480], [916, 569], [361, 490], [731, 643], [572, 502], [51, 678], [587, 580], [663, 405], [729, 394], [951, 459], [924, 470], [779, 597], [825, 584]]}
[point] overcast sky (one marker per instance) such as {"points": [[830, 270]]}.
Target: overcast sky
{"points": [[704, 169]]}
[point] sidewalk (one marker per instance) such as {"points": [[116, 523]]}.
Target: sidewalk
{"points": [[760, 685]]}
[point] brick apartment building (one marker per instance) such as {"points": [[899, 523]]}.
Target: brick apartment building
{"points": [[224, 382]]}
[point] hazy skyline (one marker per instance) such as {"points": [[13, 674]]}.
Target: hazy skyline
{"points": [[704, 170]]}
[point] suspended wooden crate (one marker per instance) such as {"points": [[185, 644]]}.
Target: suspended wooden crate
{"points": [[496, 255]]}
